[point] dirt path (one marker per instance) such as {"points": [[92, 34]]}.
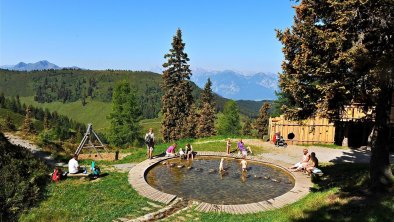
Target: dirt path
{"points": [[37, 151], [293, 153]]}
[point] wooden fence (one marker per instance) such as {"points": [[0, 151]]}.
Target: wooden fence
{"points": [[310, 131]]}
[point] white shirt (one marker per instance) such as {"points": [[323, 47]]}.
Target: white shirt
{"points": [[73, 166]]}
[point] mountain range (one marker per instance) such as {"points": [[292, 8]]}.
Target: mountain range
{"points": [[235, 85], [40, 65], [227, 83]]}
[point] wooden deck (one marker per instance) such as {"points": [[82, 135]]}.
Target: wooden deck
{"points": [[300, 189]]}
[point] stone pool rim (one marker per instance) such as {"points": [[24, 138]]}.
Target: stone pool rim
{"points": [[301, 187]]}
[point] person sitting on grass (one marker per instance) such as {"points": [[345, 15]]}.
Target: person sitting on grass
{"points": [[313, 165], [189, 151], [170, 152], [95, 170], [303, 163], [73, 166]]}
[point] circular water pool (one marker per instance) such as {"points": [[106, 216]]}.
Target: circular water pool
{"points": [[199, 179]]}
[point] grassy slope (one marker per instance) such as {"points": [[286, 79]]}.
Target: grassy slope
{"points": [[17, 119], [94, 112]]}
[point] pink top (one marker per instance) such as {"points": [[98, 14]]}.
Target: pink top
{"points": [[170, 149]]}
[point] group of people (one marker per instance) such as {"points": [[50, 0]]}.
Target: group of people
{"points": [[75, 168], [186, 153], [308, 164]]}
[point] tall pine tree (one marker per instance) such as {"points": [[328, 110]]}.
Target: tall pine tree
{"points": [[206, 123], [177, 98], [261, 123]]}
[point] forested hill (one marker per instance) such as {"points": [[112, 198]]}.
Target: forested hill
{"points": [[84, 86]]}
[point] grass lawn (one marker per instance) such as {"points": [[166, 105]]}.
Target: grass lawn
{"points": [[331, 146], [106, 199]]}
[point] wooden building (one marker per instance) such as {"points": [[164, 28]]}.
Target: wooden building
{"points": [[353, 129]]}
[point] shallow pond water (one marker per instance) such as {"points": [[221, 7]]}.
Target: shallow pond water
{"points": [[199, 179]]}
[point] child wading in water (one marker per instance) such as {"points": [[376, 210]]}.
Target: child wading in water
{"points": [[221, 167], [244, 164]]}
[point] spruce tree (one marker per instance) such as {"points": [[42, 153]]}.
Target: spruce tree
{"points": [[206, 123], [247, 127], [125, 116], [191, 126], [207, 95], [261, 123], [28, 126], [229, 121], [177, 98]]}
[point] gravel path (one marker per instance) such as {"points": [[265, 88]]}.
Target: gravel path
{"points": [[293, 153], [37, 151]]}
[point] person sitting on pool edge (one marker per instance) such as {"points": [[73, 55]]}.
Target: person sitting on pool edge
{"points": [[303, 163], [170, 152], [313, 165], [189, 151], [181, 154]]}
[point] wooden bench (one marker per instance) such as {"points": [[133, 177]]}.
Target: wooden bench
{"points": [[77, 175]]}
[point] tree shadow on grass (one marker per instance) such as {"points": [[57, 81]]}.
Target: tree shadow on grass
{"points": [[353, 201]]}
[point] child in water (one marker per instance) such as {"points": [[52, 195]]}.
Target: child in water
{"points": [[221, 167], [244, 164]]}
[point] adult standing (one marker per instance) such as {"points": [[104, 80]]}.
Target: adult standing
{"points": [[228, 146], [150, 142]]}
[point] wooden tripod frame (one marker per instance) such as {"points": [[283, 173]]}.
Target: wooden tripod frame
{"points": [[87, 141]]}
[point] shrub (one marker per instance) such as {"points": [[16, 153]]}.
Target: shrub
{"points": [[22, 180]]}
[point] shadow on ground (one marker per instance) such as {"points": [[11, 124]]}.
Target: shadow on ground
{"points": [[356, 156], [352, 201]]}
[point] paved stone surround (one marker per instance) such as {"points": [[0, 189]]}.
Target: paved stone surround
{"points": [[300, 189]]}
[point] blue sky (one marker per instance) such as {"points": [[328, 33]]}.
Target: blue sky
{"points": [[228, 34]]}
